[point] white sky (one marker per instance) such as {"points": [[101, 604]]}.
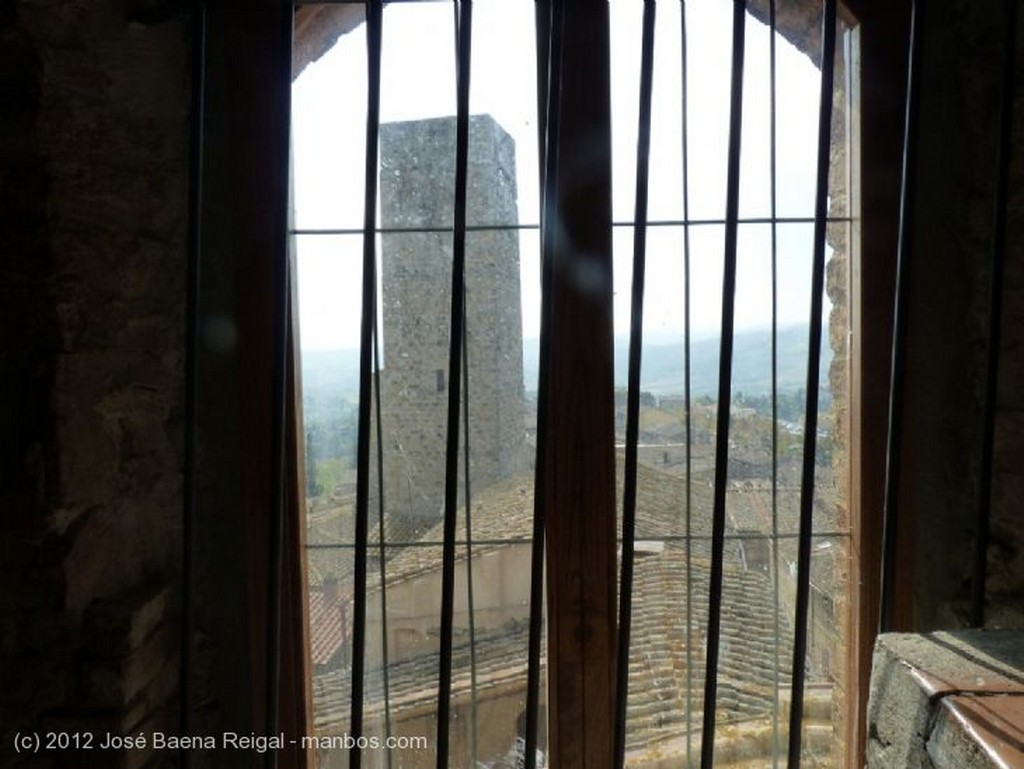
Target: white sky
{"points": [[418, 81]]}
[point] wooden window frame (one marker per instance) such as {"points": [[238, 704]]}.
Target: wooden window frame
{"points": [[252, 93]]}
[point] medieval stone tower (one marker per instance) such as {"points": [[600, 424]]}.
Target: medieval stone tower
{"points": [[417, 197]]}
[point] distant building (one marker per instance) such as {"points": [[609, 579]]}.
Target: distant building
{"points": [[665, 654], [417, 196], [329, 625]]}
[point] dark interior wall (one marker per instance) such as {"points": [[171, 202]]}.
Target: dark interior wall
{"points": [[1006, 553], [93, 191], [953, 221], [94, 185]]}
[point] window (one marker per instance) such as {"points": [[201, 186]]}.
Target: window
{"points": [[678, 408]]}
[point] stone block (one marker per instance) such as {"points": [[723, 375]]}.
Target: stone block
{"points": [[114, 627], [114, 683], [947, 700]]}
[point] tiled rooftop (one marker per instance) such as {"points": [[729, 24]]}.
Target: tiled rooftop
{"points": [[664, 661], [659, 663]]}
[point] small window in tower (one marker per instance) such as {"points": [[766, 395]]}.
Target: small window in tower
{"points": [[440, 380]]}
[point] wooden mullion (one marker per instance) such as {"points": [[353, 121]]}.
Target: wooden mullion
{"points": [[297, 663], [882, 58], [580, 489]]}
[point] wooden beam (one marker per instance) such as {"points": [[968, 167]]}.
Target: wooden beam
{"points": [[882, 35], [246, 148], [581, 550]]}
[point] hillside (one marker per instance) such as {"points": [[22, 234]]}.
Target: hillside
{"points": [[330, 374], [662, 370]]}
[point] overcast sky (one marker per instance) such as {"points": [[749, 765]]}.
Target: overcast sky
{"points": [[418, 81]]}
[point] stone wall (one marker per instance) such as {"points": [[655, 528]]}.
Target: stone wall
{"points": [[1006, 553], [93, 191], [417, 191], [93, 178], [946, 700], [949, 308]]}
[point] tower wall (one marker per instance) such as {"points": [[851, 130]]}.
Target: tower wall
{"points": [[417, 192]]}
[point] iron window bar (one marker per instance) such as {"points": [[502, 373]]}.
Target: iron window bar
{"points": [[636, 334], [470, 605], [465, 11], [897, 376], [278, 409], [773, 182], [468, 508], [1009, 10], [714, 626], [374, 19], [687, 382], [381, 548], [550, 28], [467, 486], [796, 708], [190, 495]]}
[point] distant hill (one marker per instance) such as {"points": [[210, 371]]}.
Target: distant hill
{"points": [[330, 374], [662, 371], [334, 373]]}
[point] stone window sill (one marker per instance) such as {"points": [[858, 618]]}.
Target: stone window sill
{"points": [[947, 700]]}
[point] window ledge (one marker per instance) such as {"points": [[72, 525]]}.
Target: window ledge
{"points": [[947, 700]]}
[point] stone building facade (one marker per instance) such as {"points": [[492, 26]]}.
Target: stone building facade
{"points": [[417, 191]]}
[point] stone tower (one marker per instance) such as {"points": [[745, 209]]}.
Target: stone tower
{"points": [[417, 193]]}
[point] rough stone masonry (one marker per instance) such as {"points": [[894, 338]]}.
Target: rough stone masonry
{"points": [[417, 192]]}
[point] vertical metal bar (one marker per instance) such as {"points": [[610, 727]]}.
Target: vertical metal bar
{"points": [[796, 707], [773, 181], [374, 19], [381, 535], [995, 311], [275, 549], [193, 288], [468, 507], [469, 520], [469, 550], [542, 24], [687, 394], [549, 68], [707, 747], [894, 435], [636, 338], [465, 8]]}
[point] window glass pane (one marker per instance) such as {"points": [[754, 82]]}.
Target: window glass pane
{"points": [[503, 84], [665, 201], [329, 271], [708, 64], [495, 507], [798, 86], [625, 84], [755, 142], [662, 452], [329, 138], [676, 465], [414, 87]]}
